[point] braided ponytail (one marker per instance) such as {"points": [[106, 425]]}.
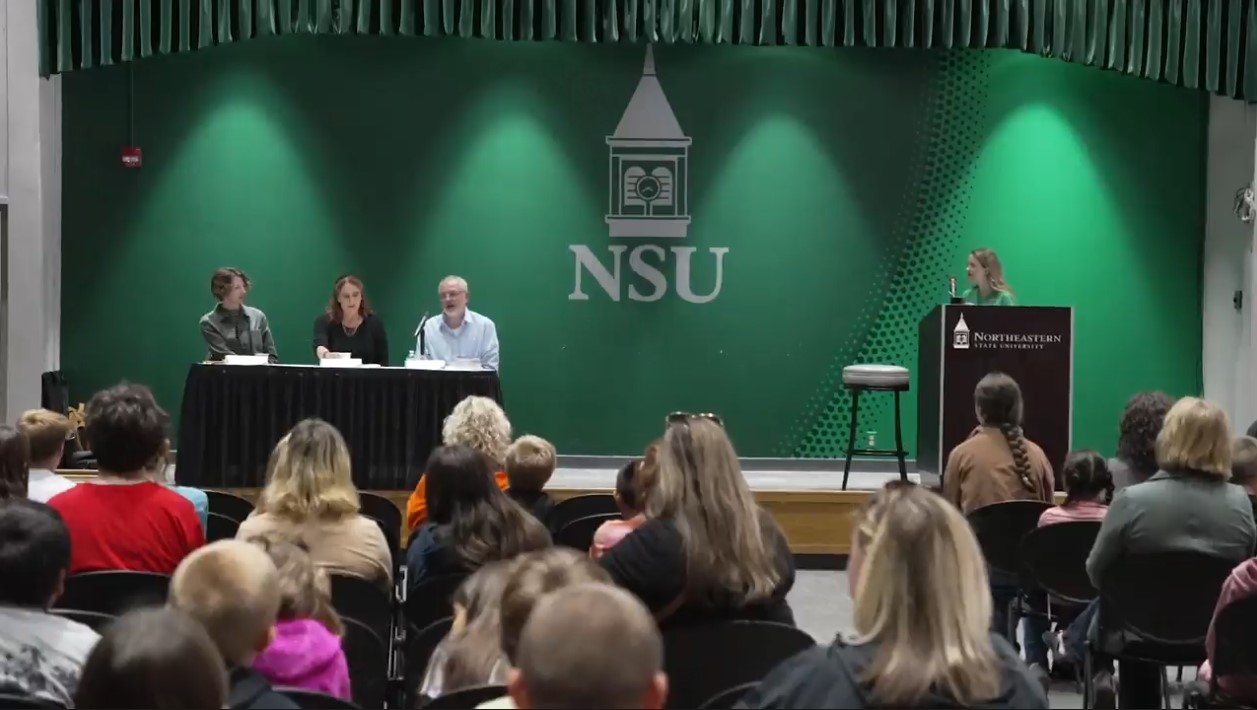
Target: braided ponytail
{"points": [[1017, 444], [999, 404]]}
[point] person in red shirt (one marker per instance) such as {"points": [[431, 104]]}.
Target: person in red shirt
{"points": [[124, 519]]}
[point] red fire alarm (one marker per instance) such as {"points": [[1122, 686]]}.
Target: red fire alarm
{"points": [[132, 157]]}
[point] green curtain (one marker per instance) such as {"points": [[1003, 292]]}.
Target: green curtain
{"points": [[1199, 44]]}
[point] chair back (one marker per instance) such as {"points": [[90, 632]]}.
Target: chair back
{"points": [[356, 598], [230, 505], [728, 698], [1233, 632], [705, 659], [367, 655], [1054, 558], [314, 700], [569, 509], [94, 620], [419, 650], [1165, 598], [220, 527], [467, 698], [383, 511], [22, 702], [999, 528], [114, 592], [578, 534], [430, 599]]}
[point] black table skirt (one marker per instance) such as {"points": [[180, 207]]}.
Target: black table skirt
{"points": [[391, 418]]}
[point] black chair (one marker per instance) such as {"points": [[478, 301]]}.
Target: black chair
{"points": [[704, 660], [220, 527], [94, 620], [999, 528], [430, 599], [419, 649], [579, 533], [114, 592], [22, 702], [1233, 653], [314, 700], [367, 654], [356, 598], [1052, 581], [381, 509], [728, 698], [569, 509], [232, 506], [467, 697]]}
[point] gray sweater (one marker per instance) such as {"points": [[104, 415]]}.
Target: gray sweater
{"points": [[241, 332]]}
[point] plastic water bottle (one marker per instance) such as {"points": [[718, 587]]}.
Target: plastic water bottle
{"points": [[872, 439]]}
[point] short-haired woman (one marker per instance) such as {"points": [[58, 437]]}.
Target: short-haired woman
{"points": [[1136, 458], [478, 423], [310, 495], [922, 613], [233, 328], [350, 325]]}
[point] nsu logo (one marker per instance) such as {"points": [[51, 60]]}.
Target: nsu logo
{"points": [[648, 197]]}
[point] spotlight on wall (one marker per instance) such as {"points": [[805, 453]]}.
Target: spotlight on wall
{"points": [[1245, 204]]}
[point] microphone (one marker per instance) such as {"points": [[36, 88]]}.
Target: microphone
{"points": [[421, 335]]}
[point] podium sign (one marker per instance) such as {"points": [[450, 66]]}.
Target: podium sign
{"points": [[960, 344]]}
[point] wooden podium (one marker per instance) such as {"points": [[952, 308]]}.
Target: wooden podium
{"points": [[960, 344]]}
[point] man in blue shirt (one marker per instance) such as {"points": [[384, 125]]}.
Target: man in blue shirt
{"points": [[460, 332]]}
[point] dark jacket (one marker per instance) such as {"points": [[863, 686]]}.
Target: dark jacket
{"points": [[539, 503], [827, 677], [430, 555], [251, 690]]}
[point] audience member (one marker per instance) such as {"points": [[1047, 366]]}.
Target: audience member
{"points": [[529, 465], [232, 589], [153, 658], [15, 463], [47, 432], [1240, 584], [160, 470], [471, 522], [922, 621], [310, 496], [565, 665], [1244, 467], [706, 550], [632, 485], [305, 651], [1252, 430], [123, 519], [478, 423], [471, 654], [1187, 505], [1136, 458], [40, 654], [1088, 489]]}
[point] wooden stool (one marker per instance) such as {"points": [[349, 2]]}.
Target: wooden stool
{"points": [[875, 378]]}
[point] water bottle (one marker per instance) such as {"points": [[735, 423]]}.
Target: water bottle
{"points": [[872, 439]]}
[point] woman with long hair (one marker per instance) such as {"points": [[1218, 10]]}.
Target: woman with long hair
{"points": [[1136, 458], [706, 550], [471, 655], [986, 278], [349, 325], [310, 496], [922, 637], [15, 463], [471, 521], [478, 423]]}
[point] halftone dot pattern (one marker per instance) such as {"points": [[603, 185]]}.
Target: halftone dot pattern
{"points": [[933, 218]]}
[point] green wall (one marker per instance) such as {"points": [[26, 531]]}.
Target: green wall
{"points": [[845, 185]]}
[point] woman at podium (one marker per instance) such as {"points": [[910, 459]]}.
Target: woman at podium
{"points": [[986, 277], [350, 326]]}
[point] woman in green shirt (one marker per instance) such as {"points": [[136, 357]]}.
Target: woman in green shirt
{"points": [[986, 275]]}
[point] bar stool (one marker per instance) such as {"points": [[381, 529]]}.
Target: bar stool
{"points": [[875, 378]]}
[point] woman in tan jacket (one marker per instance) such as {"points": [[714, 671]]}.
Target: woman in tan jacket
{"points": [[310, 496]]}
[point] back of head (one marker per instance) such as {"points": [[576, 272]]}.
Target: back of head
{"points": [[126, 428], [534, 575], [921, 597], [1086, 476], [700, 488], [15, 463], [153, 658], [1137, 433], [998, 401], [530, 463], [309, 475], [304, 588], [612, 659], [1195, 438], [232, 588], [34, 553], [480, 423], [1244, 461], [47, 432], [473, 649]]}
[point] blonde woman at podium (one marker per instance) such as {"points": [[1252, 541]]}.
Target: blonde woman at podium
{"points": [[986, 276]]}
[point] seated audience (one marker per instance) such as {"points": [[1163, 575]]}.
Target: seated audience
{"points": [[160, 470], [1241, 584], [1186, 506], [565, 665], [471, 654], [233, 590], [1088, 489], [47, 432], [123, 519], [153, 658], [15, 459], [305, 651], [471, 522], [529, 465], [1244, 467], [478, 423], [310, 496], [632, 485], [706, 550], [922, 621], [42, 653], [1136, 458]]}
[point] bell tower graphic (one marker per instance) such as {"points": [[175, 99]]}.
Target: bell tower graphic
{"points": [[649, 165]]}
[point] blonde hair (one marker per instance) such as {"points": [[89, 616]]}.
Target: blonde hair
{"points": [[232, 589], [1195, 437], [479, 423], [990, 263], [700, 488], [308, 476], [46, 430], [305, 589], [923, 599], [530, 463]]}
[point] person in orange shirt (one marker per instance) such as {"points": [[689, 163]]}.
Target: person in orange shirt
{"points": [[477, 422]]}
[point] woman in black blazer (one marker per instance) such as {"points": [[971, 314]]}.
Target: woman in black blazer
{"points": [[350, 326]]}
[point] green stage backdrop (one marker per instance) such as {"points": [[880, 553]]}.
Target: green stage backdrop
{"points": [[711, 229]]}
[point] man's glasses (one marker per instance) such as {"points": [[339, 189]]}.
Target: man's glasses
{"points": [[685, 417]]}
